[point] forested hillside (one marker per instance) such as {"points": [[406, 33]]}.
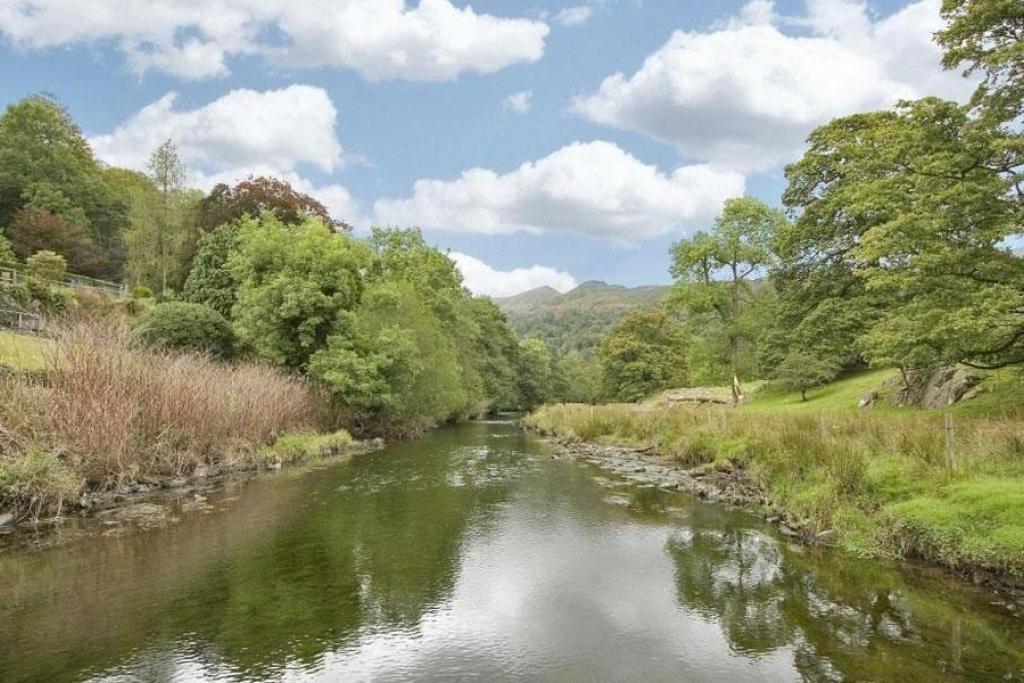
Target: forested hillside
{"points": [[578, 319]]}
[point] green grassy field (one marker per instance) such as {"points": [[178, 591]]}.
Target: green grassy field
{"points": [[882, 480], [23, 352]]}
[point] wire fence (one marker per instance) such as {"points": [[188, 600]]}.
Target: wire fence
{"points": [[21, 321], [13, 276]]}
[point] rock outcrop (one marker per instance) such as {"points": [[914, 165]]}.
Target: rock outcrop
{"points": [[934, 389]]}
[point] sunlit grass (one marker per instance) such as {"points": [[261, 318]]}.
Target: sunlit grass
{"points": [[24, 352]]}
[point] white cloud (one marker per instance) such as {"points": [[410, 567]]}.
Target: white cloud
{"points": [[574, 16], [481, 278], [592, 188], [292, 126], [746, 94], [244, 133], [519, 102], [381, 39]]}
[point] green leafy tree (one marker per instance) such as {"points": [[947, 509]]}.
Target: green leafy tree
{"points": [[714, 270], [803, 371], [293, 285], [46, 163], [210, 281], [185, 326], [644, 353], [986, 36], [497, 356], [582, 378], [392, 369], [536, 373], [910, 211], [163, 223]]}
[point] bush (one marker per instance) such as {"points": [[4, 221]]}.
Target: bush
{"points": [[142, 292], [184, 326], [35, 482]]}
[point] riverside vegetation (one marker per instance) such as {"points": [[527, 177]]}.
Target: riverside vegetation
{"points": [[894, 260], [259, 330]]}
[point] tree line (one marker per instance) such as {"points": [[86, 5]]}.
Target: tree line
{"points": [[257, 271], [897, 245]]}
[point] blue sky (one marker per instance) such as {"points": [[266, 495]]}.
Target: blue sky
{"points": [[542, 142]]}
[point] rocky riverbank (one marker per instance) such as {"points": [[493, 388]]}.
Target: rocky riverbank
{"points": [[720, 484], [148, 501], [729, 485]]}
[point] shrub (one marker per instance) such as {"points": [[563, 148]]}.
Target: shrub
{"points": [[184, 326], [142, 292], [34, 482]]}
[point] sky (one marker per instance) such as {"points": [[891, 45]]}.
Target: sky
{"points": [[542, 143]]}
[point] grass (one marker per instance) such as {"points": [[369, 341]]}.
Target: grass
{"points": [[304, 448], [107, 413], [23, 352], [879, 479]]}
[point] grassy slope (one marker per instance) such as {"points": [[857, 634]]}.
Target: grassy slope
{"points": [[879, 479], [23, 352]]}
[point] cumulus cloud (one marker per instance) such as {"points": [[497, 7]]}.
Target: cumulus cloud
{"points": [[746, 93], [574, 16], [292, 126], [519, 102], [592, 188], [381, 39], [483, 279], [244, 133]]}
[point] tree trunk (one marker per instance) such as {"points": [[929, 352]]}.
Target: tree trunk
{"points": [[734, 342], [803, 394]]}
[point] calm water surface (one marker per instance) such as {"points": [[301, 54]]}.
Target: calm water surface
{"points": [[473, 554]]}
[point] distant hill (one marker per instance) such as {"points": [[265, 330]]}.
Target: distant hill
{"points": [[579, 318]]}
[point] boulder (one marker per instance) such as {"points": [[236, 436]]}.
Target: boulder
{"points": [[935, 389]]}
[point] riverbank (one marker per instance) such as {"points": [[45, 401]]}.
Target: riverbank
{"points": [[876, 485], [90, 414]]}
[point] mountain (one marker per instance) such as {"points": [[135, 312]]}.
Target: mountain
{"points": [[578, 319]]}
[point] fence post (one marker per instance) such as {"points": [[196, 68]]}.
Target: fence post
{"points": [[950, 443]]}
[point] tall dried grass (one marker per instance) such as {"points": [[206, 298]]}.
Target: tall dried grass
{"points": [[113, 411]]}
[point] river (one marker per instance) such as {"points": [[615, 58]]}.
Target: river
{"points": [[473, 553]]}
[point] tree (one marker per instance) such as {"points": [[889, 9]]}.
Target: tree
{"points": [[35, 229], [496, 358], [255, 195], [210, 281], [803, 371], [169, 224], [582, 378], [986, 36], [738, 248], [391, 369], [536, 374], [911, 209], [645, 352], [294, 284], [45, 161]]}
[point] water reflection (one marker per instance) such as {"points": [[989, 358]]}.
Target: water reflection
{"points": [[473, 554]]}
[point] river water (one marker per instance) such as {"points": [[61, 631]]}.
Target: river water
{"points": [[473, 554]]}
